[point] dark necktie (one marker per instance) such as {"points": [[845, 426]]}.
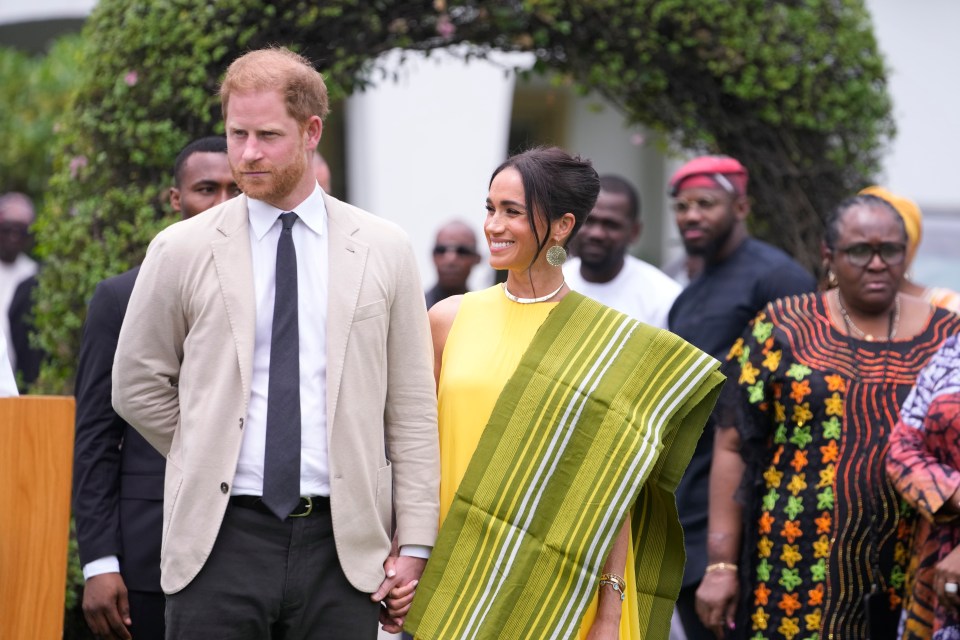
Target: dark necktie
{"points": [[281, 464]]}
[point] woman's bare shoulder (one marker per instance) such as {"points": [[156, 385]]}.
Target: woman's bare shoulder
{"points": [[443, 313]]}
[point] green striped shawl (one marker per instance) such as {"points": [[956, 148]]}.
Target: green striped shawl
{"points": [[602, 414]]}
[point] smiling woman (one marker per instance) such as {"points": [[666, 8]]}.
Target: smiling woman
{"points": [[816, 384], [540, 395]]}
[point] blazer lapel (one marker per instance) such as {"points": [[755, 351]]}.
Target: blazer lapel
{"points": [[231, 255], [348, 258]]}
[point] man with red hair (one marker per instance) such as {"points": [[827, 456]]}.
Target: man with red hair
{"points": [[277, 351]]}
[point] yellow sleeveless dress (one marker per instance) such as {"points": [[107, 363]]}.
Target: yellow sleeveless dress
{"points": [[488, 337]]}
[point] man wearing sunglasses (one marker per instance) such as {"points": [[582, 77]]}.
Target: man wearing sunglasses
{"points": [[454, 255], [740, 276]]}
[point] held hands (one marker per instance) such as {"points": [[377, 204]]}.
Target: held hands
{"points": [[397, 590], [105, 606], [717, 600]]}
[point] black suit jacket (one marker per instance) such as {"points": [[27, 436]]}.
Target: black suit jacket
{"points": [[28, 357], [117, 476]]}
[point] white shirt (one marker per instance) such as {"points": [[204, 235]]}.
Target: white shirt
{"points": [[12, 275], [8, 386], [310, 242], [640, 290]]}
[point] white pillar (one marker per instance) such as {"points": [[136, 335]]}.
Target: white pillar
{"points": [[420, 150]]}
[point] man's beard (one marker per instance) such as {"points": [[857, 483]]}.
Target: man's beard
{"points": [[278, 185], [712, 247]]}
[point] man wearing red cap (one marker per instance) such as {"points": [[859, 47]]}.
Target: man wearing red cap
{"points": [[740, 276]]}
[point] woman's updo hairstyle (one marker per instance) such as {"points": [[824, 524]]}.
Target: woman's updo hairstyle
{"points": [[554, 183]]}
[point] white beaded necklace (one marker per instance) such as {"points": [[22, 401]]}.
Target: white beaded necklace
{"points": [[520, 300]]}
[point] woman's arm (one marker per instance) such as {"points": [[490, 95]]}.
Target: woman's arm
{"points": [[399, 599], [923, 480], [609, 606], [441, 316], [719, 590]]}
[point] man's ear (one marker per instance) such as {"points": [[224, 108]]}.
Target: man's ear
{"points": [[636, 229], [741, 207], [175, 199], [312, 132]]}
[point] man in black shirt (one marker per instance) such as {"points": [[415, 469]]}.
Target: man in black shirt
{"points": [[740, 276]]}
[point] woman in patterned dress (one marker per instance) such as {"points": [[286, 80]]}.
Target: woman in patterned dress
{"points": [[924, 465], [799, 498]]}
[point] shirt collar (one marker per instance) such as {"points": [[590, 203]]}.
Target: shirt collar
{"points": [[312, 212]]}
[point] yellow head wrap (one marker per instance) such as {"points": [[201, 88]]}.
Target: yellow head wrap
{"points": [[908, 210]]}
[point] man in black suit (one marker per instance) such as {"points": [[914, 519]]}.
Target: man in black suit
{"points": [[118, 477]]}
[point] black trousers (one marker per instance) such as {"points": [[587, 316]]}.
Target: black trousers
{"points": [[272, 580], [146, 611]]}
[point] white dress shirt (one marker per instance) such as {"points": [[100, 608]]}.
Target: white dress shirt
{"points": [[310, 241], [8, 386], [11, 275]]}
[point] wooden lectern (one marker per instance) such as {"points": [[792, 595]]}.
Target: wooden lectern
{"points": [[36, 461]]}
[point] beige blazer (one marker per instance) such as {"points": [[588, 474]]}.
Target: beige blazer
{"points": [[182, 379]]}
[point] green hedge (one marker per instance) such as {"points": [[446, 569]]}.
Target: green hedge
{"points": [[796, 90], [35, 93]]}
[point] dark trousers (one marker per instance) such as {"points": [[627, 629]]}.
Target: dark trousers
{"points": [[686, 607], [146, 611], [272, 580]]}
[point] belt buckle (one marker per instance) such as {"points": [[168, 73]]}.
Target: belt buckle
{"points": [[308, 510]]}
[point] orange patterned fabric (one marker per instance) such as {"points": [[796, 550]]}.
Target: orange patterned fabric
{"points": [[814, 409], [924, 465]]}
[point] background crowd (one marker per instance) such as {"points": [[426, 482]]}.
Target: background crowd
{"points": [[821, 498], [793, 525]]}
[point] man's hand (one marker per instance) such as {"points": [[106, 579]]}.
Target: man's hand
{"points": [[397, 590], [105, 606]]}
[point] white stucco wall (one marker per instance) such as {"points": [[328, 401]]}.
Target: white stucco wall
{"points": [[12, 11], [921, 48], [421, 149]]}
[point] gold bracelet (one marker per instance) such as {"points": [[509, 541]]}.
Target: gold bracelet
{"points": [[720, 566], [615, 582]]}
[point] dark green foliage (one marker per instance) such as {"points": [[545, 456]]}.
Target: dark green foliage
{"points": [[35, 92], [794, 89]]}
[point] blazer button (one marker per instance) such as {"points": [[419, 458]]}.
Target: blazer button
{"points": [[224, 487], [241, 423]]}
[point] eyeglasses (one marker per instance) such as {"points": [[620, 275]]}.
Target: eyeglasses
{"points": [[703, 204], [462, 251], [861, 253]]}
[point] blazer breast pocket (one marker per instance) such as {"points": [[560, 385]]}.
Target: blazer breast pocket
{"points": [[371, 310]]}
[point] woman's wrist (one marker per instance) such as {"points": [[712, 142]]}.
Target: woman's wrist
{"points": [[615, 583]]}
